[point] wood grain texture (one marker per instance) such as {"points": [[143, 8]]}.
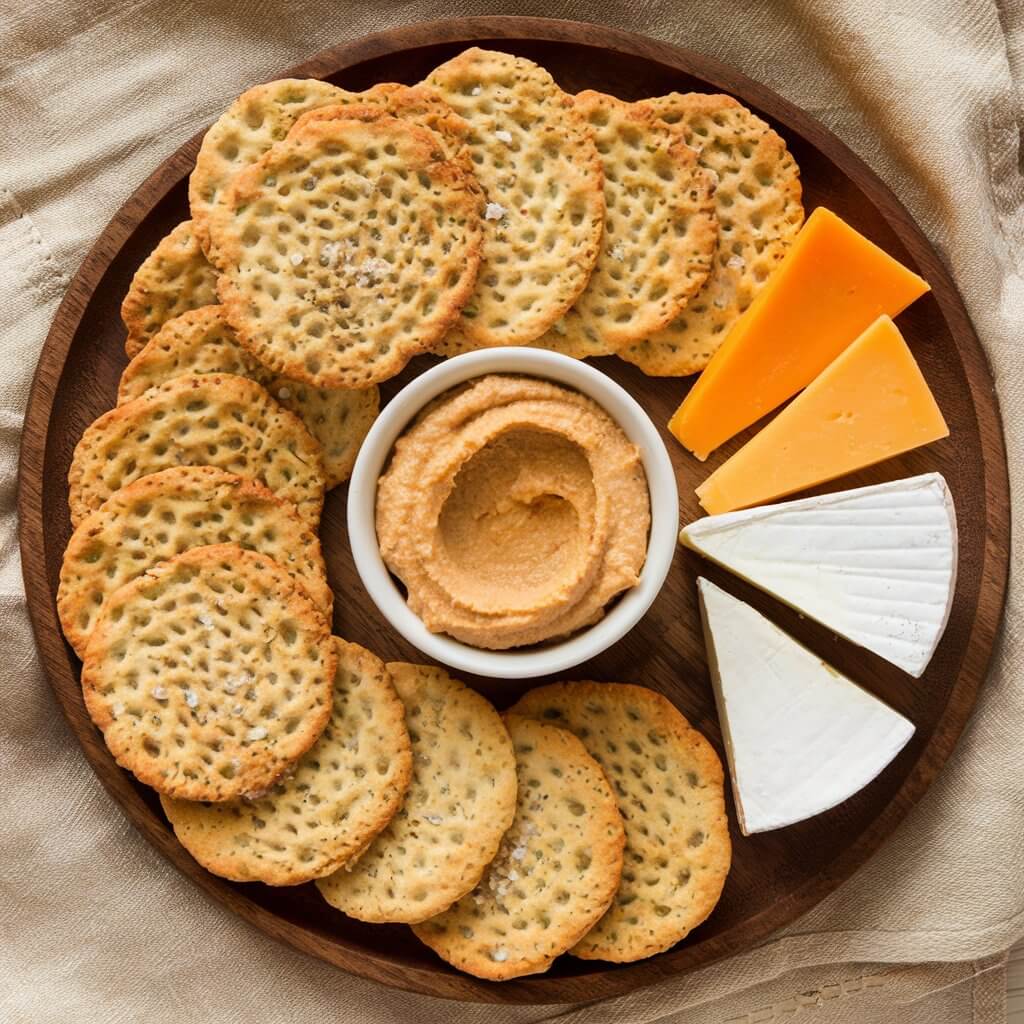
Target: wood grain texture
{"points": [[775, 876]]}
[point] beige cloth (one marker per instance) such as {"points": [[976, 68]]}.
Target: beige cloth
{"points": [[94, 925]]}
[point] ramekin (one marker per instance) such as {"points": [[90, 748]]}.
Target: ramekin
{"points": [[554, 656]]}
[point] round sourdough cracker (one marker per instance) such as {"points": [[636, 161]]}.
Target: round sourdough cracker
{"points": [[174, 277], [342, 792], [460, 802], [165, 513], [210, 674], [556, 871], [347, 249], [535, 158], [213, 419], [252, 124], [670, 790], [418, 104], [202, 341], [660, 231], [758, 203]]}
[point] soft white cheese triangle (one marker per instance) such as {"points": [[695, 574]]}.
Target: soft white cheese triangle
{"points": [[800, 737], [876, 564]]}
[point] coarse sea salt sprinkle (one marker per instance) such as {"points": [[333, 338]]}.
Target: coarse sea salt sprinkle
{"points": [[160, 693], [494, 211], [503, 136], [500, 954], [191, 699], [296, 259], [284, 393], [434, 819], [736, 262], [256, 733]]}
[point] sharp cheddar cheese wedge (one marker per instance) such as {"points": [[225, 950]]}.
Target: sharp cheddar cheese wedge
{"points": [[831, 285], [870, 404]]}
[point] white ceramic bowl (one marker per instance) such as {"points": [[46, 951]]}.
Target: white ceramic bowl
{"points": [[555, 656]]}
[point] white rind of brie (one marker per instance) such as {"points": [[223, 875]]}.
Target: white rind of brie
{"points": [[875, 564], [800, 738]]}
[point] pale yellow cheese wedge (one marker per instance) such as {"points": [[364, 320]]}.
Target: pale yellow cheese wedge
{"points": [[870, 404]]}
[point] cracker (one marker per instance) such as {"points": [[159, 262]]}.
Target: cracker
{"points": [[210, 674], [669, 784], [202, 341], [418, 104], [174, 277], [459, 804], [212, 419], [535, 158], [252, 124], [347, 249], [557, 869], [660, 231], [759, 213], [343, 791], [165, 513]]}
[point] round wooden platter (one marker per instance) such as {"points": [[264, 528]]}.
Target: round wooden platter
{"points": [[775, 876]]}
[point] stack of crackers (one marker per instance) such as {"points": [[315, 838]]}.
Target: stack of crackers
{"points": [[333, 237]]}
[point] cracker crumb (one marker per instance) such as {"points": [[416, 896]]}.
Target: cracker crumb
{"points": [[518, 853], [117, 708], [284, 393], [256, 733], [503, 136], [237, 710], [494, 211], [559, 327], [191, 699]]}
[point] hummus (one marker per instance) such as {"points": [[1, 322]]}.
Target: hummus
{"points": [[513, 510]]}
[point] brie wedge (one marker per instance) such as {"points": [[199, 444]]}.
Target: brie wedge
{"points": [[800, 737], [876, 564]]}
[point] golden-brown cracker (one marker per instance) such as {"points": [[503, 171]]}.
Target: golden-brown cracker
{"points": [[174, 278], [165, 513], [418, 104], [252, 124], [669, 784], [211, 419], [535, 158], [202, 341], [459, 804], [660, 231], [322, 815], [757, 200], [347, 249], [557, 869], [210, 674]]}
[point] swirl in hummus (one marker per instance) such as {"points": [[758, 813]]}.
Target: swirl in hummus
{"points": [[513, 510]]}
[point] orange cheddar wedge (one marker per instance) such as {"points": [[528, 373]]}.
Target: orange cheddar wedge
{"points": [[831, 285], [871, 403]]}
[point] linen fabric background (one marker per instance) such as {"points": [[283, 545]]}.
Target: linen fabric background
{"points": [[94, 925]]}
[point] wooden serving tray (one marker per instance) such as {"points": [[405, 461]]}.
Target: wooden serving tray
{"points": [[775, 876]]}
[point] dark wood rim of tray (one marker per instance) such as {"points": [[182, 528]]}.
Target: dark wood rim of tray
{"points": [[59, 662]]}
